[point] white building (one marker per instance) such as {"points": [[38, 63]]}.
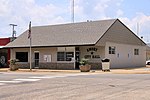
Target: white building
{"points": [[62, 46]]}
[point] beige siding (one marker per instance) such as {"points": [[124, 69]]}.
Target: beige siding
{"points": [[100, 52], [118, 33], [42, 52], [126, 56]]}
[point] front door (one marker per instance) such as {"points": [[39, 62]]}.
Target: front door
{"points": [[36, 59], [77, 58]]}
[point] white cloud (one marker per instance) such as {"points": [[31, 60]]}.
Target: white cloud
{"points": [[4, 4], [21, 12], [144, 25], [100, 7], [94, 9], [119, 13]]}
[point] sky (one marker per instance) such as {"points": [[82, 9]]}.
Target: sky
{"points": [[50, 12]]}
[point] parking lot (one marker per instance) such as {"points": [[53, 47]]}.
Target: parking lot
{"points": [[75, 86]]}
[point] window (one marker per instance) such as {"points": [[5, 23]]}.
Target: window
{"points": [[136, 51], [22, 56], [112, 50], [65, 56], [69, 56], [60, 56], [65, 53]]}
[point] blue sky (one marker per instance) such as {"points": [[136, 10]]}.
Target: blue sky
{"points": [[49, 12]]}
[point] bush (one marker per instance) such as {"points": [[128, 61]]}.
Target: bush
{"points": [[83, 61], [13, 65]]}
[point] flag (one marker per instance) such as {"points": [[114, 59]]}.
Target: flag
{"points": [[29, 33]]}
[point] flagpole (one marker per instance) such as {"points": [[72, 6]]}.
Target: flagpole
{"points": [[30, 46], [30, 56]]}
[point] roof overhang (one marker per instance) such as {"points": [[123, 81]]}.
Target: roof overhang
{"points": [[51, 46]]}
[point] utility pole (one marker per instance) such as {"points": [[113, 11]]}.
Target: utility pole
{"points": [[13, 31], [72, 11]]}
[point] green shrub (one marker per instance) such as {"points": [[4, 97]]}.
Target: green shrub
{"points": [[83, 61]]}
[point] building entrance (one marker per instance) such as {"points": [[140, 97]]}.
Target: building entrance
{"points": [[77, 57], [36, 59]]}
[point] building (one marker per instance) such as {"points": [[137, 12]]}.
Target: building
{"points": [[4, 53], [62, 46]]}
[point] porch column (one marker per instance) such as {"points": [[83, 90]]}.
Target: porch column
{"points": [[74, 57]]}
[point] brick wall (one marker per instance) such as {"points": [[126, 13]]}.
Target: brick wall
{"points": [[96, 65], [63, 66]]}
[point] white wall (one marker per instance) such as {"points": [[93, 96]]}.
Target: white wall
{"points": [[123, 60]]}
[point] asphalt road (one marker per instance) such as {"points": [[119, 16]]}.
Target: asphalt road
{"points": [[75, 86]]}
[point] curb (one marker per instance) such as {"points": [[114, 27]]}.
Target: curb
{"points": [[144, 70]]}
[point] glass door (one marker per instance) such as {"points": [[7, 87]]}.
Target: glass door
{"points": [[77, 57], [36, 59]]}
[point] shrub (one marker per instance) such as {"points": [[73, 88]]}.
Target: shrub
{"points": [[83, 61]]}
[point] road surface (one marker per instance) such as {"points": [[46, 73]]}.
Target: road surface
{"points": [[74, 86]]}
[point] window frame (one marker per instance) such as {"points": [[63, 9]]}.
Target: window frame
{"points": [[22, 57], [67, 53], [112, 50], [60, 56], [136, 51], [66, 56]]}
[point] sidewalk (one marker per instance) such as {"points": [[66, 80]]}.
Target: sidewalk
{"points": [[143, 70], [38, 70]]}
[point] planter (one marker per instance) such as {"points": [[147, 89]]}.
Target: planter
{"points": [[85, 68], [13, 67]]}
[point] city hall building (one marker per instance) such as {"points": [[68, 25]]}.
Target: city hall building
{"points": [[63, 46]]}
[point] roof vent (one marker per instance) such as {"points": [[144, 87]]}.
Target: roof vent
{"points": [[89, 20]]}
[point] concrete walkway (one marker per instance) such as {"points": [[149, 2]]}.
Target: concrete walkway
{"points": [[143, 70]]}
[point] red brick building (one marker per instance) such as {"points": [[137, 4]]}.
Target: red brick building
{"points": [[4, 53]]}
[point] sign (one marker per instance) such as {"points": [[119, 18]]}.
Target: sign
{"points": [[92, 51], [47, 58], [91, 56]]}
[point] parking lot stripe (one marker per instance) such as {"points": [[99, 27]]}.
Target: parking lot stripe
{"points": [[10, 81], [57, 76], [31, 80], [42, 77]]}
